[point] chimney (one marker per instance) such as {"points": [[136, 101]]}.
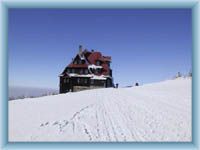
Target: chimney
{"points": [[80, 49]]}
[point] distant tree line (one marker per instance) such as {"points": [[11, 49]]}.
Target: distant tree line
{"points": [[179, 74]]}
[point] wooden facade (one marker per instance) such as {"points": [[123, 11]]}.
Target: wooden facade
{"points": [[88, 70]]}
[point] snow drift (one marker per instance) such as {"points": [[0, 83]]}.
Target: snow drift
{"points": [[153, 112]]}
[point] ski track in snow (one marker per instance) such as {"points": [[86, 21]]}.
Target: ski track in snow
{"points": [[159, 112]]}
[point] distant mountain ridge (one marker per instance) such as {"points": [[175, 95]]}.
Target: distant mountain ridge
{"points": [[19, 92]]}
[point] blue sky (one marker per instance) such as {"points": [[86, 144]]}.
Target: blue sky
{"points": [[146, 45]]}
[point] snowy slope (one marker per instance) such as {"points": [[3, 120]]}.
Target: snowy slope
{"points": [[153, 112]]}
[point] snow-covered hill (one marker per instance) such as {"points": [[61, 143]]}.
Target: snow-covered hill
{"points": [[153, 112]]}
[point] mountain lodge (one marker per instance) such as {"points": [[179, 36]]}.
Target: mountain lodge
{"points": [[87, 70]]}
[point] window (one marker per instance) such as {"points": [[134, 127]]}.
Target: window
{"points": [[86, 71], [98, 63], [99, 71], [81, 71], [92, 81], [85, 81], [73, 70], [78, 80], [68, 70], [75, 62], [66, 80], [96, 71]]}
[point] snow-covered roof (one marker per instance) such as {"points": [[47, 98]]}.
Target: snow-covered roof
{"points": [[92, 76], [95, 77], [94, 66], [90, 59], [107, 76], [61, 75], [79, 75]]}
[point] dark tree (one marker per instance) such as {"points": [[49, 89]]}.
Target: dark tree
{"points": [[178, 75]]}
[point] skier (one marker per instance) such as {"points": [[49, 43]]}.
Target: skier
{"points": [[117, 85], [136, 84]]}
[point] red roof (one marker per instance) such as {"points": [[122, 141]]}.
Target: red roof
{"points": [[105, 69], [105, 58], [92, 58]]}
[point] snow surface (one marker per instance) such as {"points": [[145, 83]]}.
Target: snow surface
{"points": [[153, 112]]}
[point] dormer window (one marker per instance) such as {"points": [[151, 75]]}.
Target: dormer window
{"points": [[75, 62], [98, 63], [96, 71]]}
